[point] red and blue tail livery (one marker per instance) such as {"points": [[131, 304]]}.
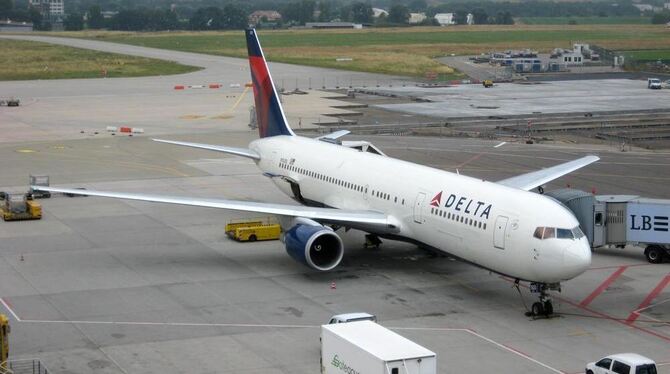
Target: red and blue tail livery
{"points": [[269, 113]]}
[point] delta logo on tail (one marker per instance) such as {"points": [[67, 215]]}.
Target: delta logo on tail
{"points": [[436, 200]]}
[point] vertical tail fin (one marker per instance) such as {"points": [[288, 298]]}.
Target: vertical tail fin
{"points": [[269, 112]]}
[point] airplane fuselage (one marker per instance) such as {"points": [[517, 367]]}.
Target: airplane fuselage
{"points": [[482, 222]]}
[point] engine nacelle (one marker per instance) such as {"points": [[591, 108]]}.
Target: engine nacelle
{"points": [[315, 246]]}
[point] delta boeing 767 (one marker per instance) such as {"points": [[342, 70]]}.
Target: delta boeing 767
{"points": [[499, 226]]}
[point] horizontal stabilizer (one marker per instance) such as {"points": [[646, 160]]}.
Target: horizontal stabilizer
{"points": [[534, 179], [219, 148], [333, 136]]}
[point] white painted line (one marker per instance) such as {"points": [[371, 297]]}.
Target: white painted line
{"points": [[499, 345], [3, 302], [500, 145], [186, 324], [172, 324]]}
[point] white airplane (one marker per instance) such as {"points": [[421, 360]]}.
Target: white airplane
{"points": [[499, 226]]}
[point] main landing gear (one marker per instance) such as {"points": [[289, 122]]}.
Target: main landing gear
{"points": [[372, 241], [544, 307]]}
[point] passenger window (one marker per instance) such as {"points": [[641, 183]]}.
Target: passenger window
{"points": [[604, 363], [646, 369], [620, 368]]}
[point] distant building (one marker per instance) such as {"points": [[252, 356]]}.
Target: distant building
{"points": [[666, 5], [415, 18], [576, 56], [108, 14], [9, 26], [264, 15], [377, 12], [445, 19], [333, 25], [644, 7], [52, 10]]}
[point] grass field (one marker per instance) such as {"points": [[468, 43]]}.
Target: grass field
{"points": [[586, 20], [402, 51], [649, 55], [23, 60]]}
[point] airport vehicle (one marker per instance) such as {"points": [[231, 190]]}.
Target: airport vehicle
{"points": [[622, 363], [366, 347], [18, 207], [352, 317], [654, 83], [489, 224], [39, 180], [487, 83], [253, 230], [619, 220], [4, 341], [10, 102]]}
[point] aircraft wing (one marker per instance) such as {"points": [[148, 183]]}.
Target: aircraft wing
{"points": [[219, 148], [330, 215], [534, 179]]}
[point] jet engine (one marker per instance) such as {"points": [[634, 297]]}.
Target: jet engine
{"points": [[315, 246]]}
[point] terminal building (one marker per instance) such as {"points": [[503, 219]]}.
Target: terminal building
{"points": [[52, 10]]}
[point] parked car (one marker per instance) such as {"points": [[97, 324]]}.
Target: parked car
{"points": [[351, 317], [622, 363]]}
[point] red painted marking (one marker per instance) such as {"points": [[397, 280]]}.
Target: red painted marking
{"points": [[214, 86], [262, 92], [470, 160], [125, 129], [603, 286], [605, 316], [179, 87], [645, 303], [618, 266]]}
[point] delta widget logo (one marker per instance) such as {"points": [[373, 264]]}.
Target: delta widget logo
{"points": [[437, 200]]}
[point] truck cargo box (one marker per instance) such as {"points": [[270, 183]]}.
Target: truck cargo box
{"points": [[365, 347]]}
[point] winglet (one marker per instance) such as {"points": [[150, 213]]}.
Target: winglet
{"points": [[537, 178], [269, 112]]}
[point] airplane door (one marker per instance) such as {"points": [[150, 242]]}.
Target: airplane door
{"points": [[499, 232], [418, 207], [598, 238]]}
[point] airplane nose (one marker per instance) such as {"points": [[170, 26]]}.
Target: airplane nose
{"points": [[576, 258]]}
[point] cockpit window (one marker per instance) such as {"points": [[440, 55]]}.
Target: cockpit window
{"points": [[552, 232], [549, 232], [564, 234]]}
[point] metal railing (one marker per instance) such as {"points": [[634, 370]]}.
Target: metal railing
{"points": [[26, 366], [4, 368]]}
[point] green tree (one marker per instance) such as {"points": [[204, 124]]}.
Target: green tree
{"points": [[299, 12], [360, 12], [461, 17], [398, 14], [36, 18], [660, 18], [95, 19], [6, 7], [326, 10], [480, 17], [74, 22], [210, 18], [234, 17], [418, 5]]}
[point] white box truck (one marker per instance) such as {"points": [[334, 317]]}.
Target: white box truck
{"points": [[368, 348]]}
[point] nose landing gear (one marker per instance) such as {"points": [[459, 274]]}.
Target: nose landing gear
{"points": [[543, 307]]}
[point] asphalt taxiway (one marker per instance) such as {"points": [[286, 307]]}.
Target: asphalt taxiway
{"points": [[110, 286]]}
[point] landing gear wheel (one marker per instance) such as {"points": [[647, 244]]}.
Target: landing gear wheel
{"points": [[372, 241], [654, 254], [548, 308], [537, 309]]}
